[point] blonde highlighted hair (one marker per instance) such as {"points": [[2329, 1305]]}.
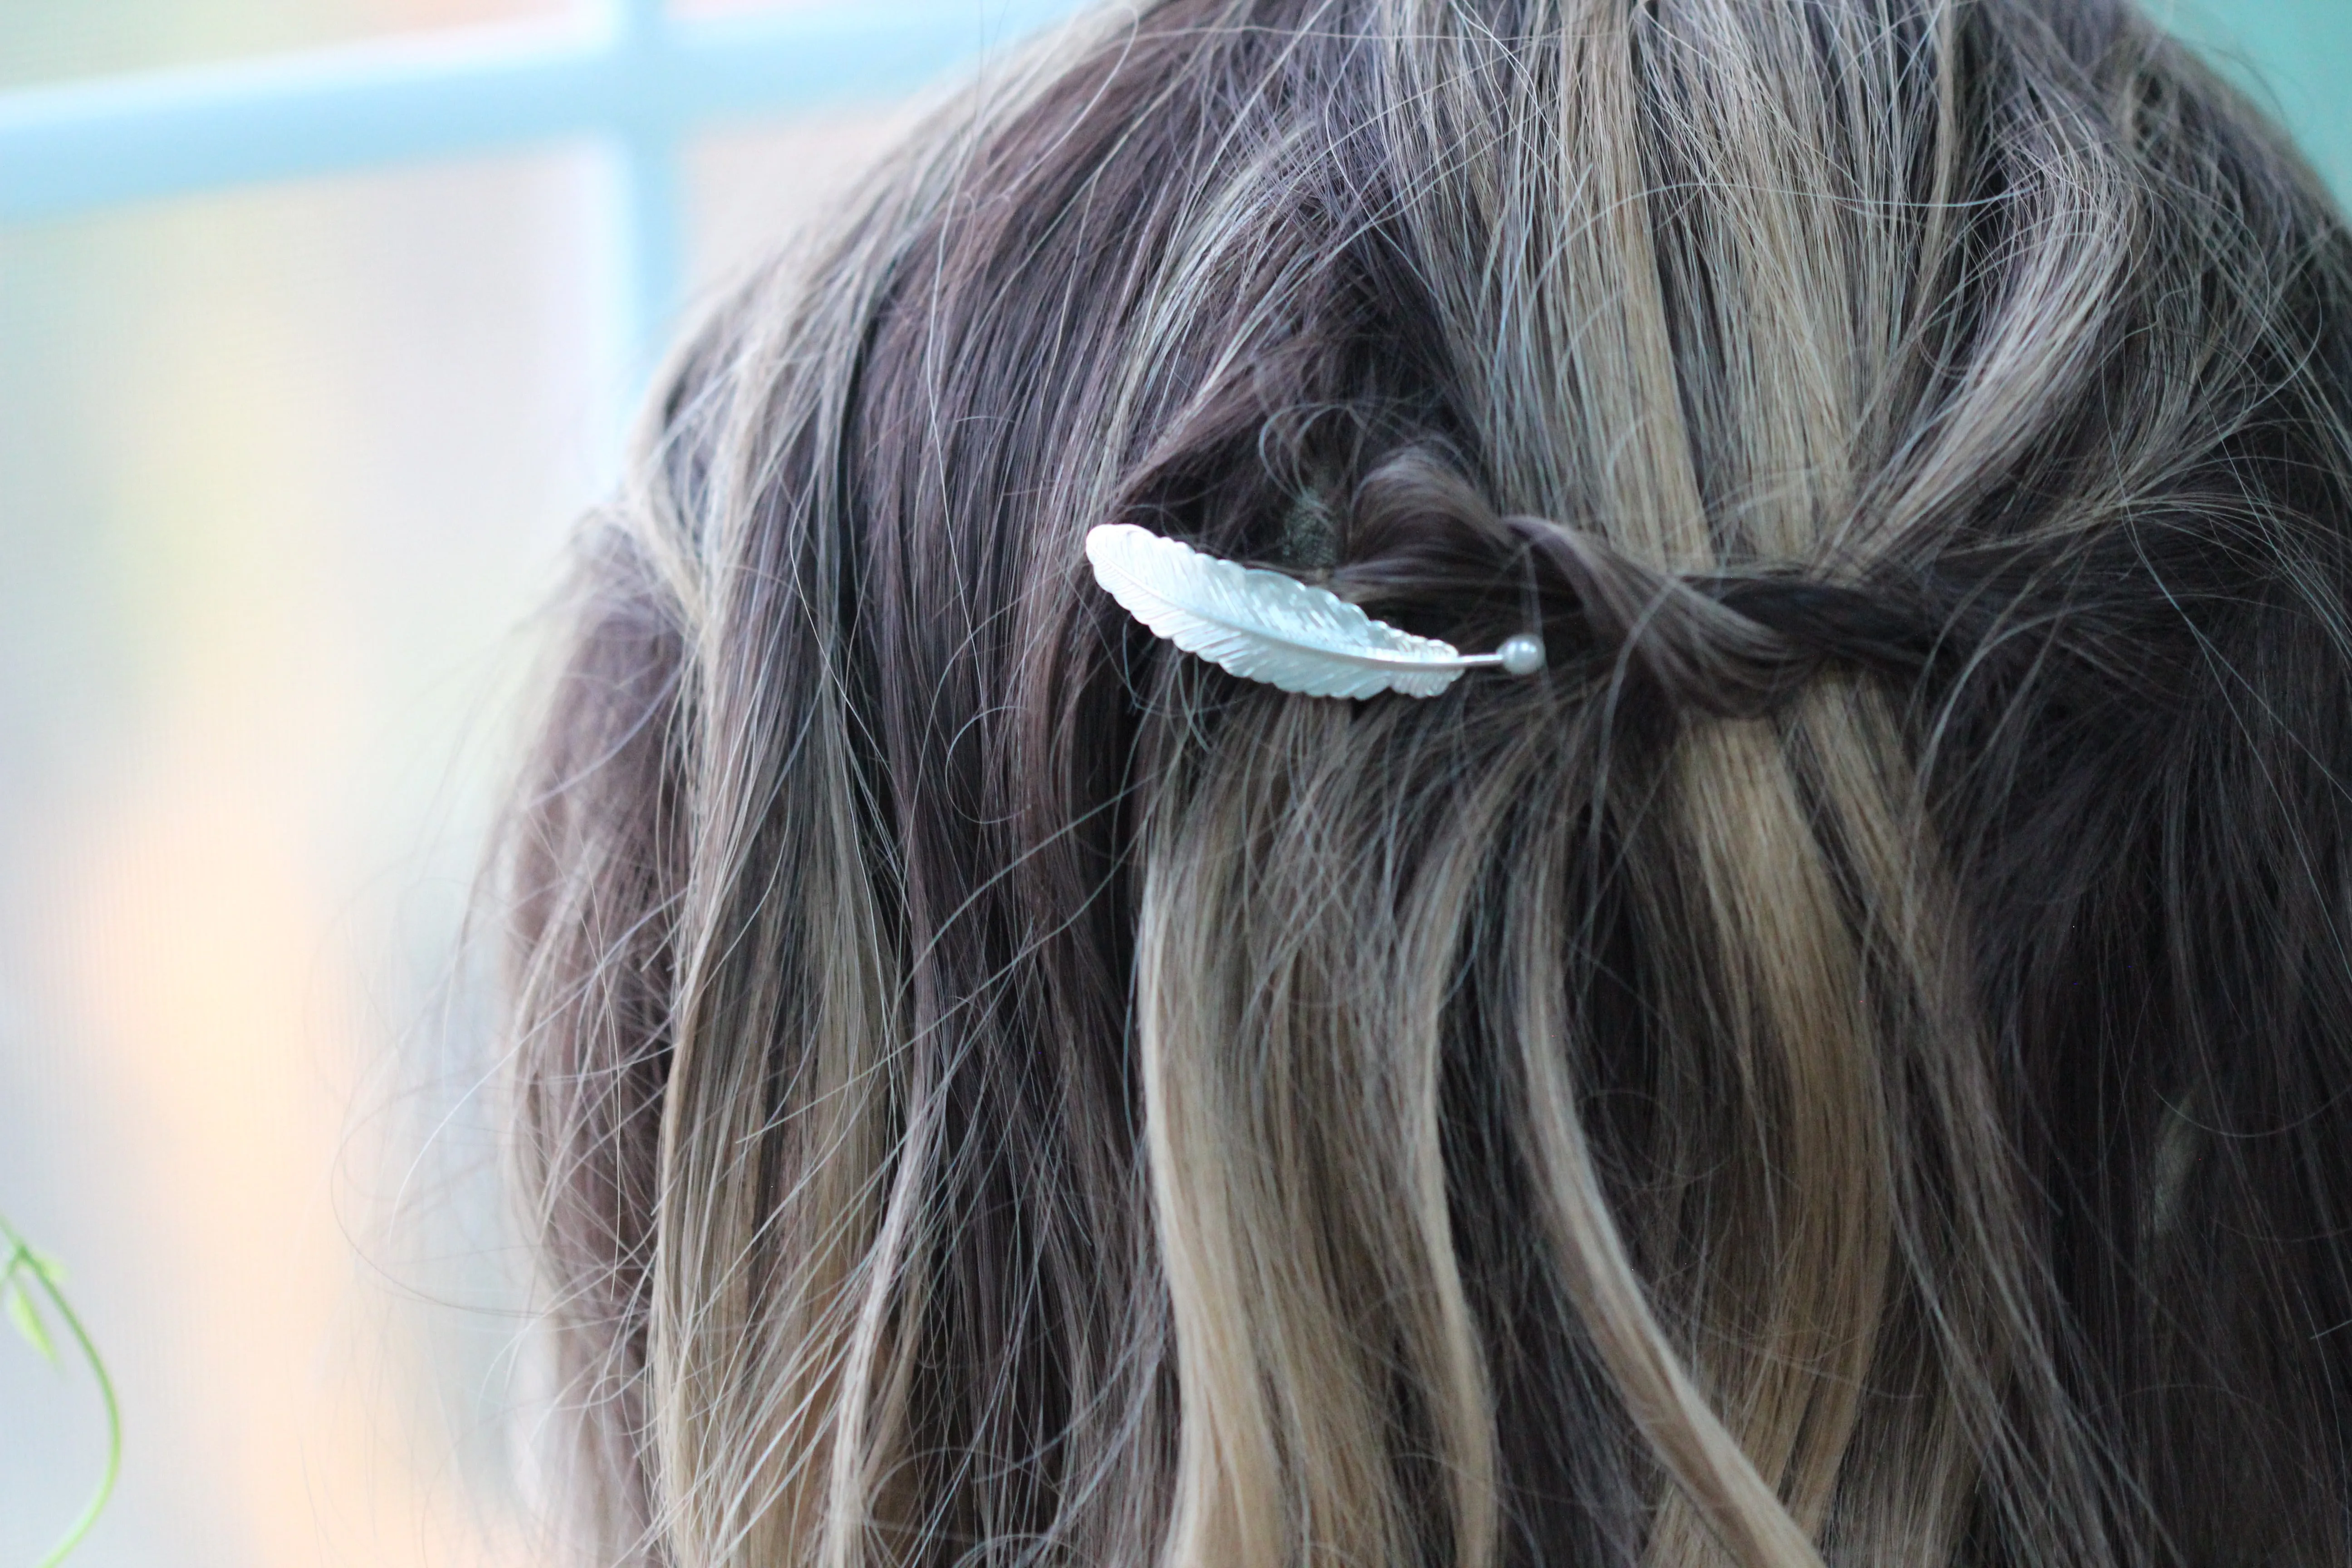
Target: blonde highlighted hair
{"points": [[1851, 1065]]}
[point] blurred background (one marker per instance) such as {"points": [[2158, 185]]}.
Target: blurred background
{"points": [[295, 412]]}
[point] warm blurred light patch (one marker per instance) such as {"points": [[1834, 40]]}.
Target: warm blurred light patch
{"points": [[283, 475], [313, 449], [222, 1025]]}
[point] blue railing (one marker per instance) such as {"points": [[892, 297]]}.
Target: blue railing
{"points": [[630, 76]]}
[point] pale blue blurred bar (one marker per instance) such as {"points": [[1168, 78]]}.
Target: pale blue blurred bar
{"points": [[80, 146], [648, 220], [635, 79]]}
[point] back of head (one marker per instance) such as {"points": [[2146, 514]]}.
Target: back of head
{"points": [[1851, 1063]]}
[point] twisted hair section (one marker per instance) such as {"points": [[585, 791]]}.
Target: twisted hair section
{"points": [[1849, 1065], [1728, 644]]}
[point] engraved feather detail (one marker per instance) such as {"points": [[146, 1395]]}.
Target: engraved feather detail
{"points": [[1264, 626]]}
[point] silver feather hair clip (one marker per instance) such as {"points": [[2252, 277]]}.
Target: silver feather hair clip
{"points": [[1264, 626]]}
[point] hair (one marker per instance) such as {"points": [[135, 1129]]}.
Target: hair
{"points": [[1852, 1064]]}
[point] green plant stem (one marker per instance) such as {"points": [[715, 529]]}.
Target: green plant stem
{"points": [[21, 1255]]}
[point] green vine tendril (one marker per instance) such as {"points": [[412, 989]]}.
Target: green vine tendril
{"points": [[27, 1262]]}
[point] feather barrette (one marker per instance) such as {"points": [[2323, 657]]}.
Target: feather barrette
{"points": [[1262, 626]]}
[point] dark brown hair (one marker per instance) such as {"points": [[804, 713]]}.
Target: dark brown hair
{"points": [[1852, 1064]]}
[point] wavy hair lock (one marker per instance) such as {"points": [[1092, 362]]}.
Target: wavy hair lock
{"points": [[1852, 1066]]}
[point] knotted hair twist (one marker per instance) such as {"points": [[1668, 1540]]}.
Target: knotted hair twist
{"points": [[1425, 544]]}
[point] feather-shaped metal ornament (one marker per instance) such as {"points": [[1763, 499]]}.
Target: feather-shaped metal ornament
{"points": [[1262, 626]]}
